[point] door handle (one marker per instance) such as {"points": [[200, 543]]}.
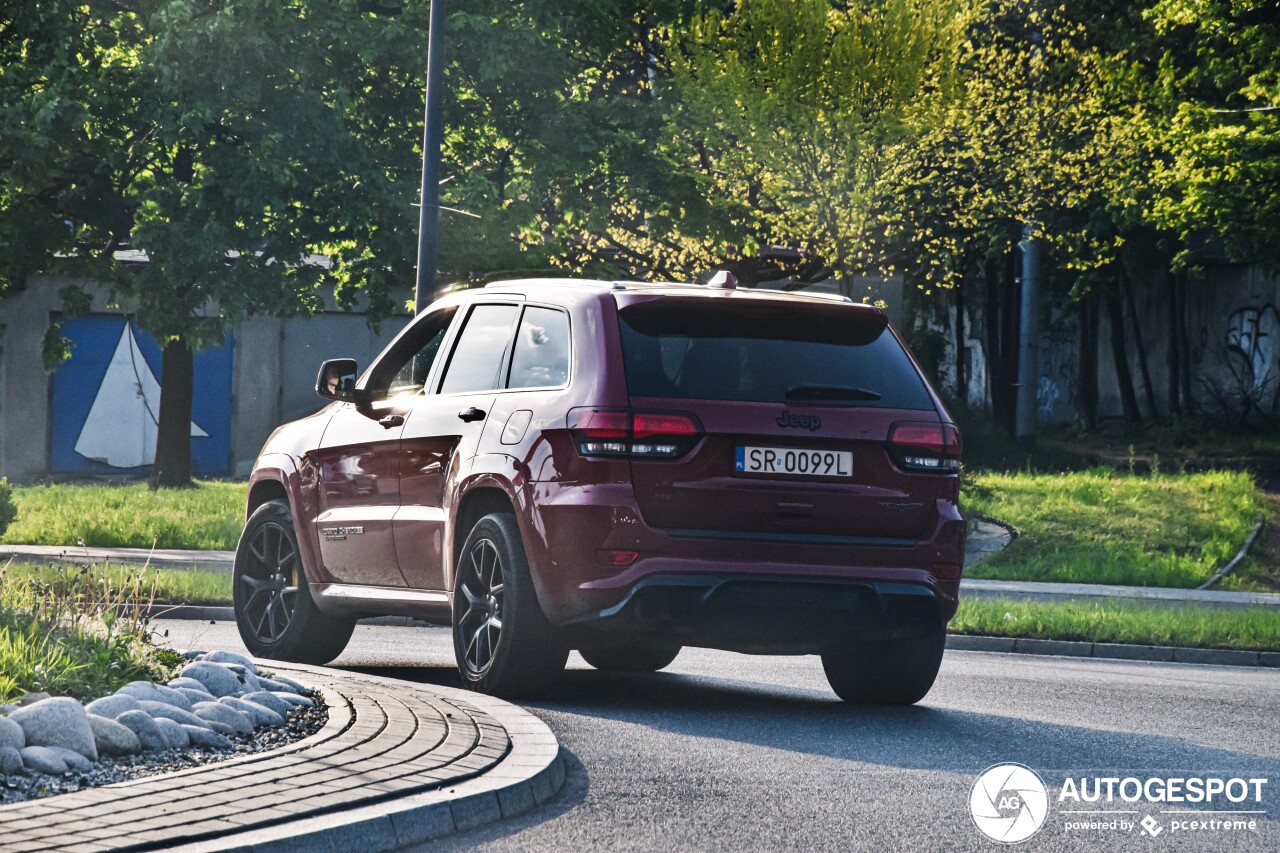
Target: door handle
{"points": [[471, 414], [392, 421]]}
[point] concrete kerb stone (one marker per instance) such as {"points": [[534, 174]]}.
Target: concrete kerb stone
{"points": [[1112, 651], [530, 775]]}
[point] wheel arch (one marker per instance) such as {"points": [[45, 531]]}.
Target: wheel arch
{"points": [[263, 491]]}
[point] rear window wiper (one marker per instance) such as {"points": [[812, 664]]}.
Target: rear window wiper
{"points": [[829, 392]]}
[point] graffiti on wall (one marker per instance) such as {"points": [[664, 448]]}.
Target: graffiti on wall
{"points": [[1254, 333], [106, 401]]}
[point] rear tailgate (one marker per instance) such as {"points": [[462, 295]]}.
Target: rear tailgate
{"points": [[851, 490], [797, 404]]}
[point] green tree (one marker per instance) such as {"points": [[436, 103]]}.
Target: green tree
{"points": [[216, 138]]}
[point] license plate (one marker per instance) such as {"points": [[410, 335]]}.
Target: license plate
{"points": [[789, 460]]}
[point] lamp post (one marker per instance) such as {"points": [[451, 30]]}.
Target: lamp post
{"points": [[432, 136]]}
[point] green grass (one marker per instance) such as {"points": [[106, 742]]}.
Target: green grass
{"points": [[1100, 526], [170, 586], [206, 517], [1196, 627], [62, 632]]}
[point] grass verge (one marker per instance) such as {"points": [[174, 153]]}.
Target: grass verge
{"points": [[208, 516], [1189, 626], [1101, 526], [167, 586], [63, 634]]}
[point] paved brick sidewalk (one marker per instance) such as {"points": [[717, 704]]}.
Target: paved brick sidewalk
{"points": [[381, 742]]}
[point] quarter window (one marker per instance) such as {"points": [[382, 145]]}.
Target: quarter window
{"points": [[541, 356]]}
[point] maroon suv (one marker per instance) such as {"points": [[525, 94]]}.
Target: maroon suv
{"points": [[622, 469]]}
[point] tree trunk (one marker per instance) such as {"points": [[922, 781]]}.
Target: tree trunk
{"points": [[1184, 341], [962, 373], [1128, 399], [991, 307], [1088, 377], [1175, 344], [1143, 368], [172, 467]]}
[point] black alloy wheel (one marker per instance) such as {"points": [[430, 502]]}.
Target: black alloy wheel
{"points": [[269, 582], [502, 641], [482, 587], [275, 613]]}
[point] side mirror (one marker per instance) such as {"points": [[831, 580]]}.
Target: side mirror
{"points": [[337, 379]]}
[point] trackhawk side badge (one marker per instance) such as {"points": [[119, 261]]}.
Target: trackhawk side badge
{"points": [[809, 422], [337, 534]]}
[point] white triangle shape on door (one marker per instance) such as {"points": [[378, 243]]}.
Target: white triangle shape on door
{"points": [[122, 424]]}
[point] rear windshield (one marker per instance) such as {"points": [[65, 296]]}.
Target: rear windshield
{"points": [[767, 353]]}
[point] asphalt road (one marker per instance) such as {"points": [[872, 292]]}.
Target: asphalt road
{"points": [[730, 752]]}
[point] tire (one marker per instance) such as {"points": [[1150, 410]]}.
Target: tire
{"points": [[899, 672], [619, 657], [502, 641], [275, 613]]}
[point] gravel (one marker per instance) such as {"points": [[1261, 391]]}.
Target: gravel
{"points": [[302, 722]]}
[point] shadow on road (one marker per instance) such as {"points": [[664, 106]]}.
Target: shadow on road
{"points": [[815, 723]]}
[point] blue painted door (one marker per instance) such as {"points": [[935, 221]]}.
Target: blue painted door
{"points": [[106, 401]]}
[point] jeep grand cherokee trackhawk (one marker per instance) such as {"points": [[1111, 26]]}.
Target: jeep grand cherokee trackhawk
{"points": [[622, 469]]}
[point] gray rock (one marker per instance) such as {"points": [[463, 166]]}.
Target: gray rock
{"points": [[208, 739], [172, 712], [261, 715], [113, 738], [32, 698], [293, 699], [293, 686], [113, 706], [192, 655], [233, 658], [75, 762], [268, 699], [175, 734], [146, 691], [217, 679], [42, 759], [194, 696], [273, 684], [6, 709], [10, 761], [216, 712], [57, 722], [148, 732], [11, 734], [190, 684], [221, 728]]}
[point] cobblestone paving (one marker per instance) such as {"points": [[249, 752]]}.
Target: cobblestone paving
{"points": [[379, 743]]}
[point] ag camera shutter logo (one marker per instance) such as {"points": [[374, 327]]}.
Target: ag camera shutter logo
{"points": [[1009, 803]]}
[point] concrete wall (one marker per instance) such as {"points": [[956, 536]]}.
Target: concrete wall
{"points": [[1233, 322], [273, 373]]}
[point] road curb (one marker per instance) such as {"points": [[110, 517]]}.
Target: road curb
{"points": [[530, 775], [1112, 651], [961, 642]]}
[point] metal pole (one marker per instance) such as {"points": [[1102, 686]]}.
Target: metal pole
{"points": [[432, 136], [1029, 316]]}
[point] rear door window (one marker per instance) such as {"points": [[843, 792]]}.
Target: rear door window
{"points": [[767, 353], [541, 356], [481, 352]]}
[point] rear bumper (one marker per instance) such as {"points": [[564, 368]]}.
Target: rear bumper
{"points": [[572, 524], [762, 614]]}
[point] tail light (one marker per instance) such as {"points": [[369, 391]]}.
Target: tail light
{"points": [[618, 432], [926, 447]]}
